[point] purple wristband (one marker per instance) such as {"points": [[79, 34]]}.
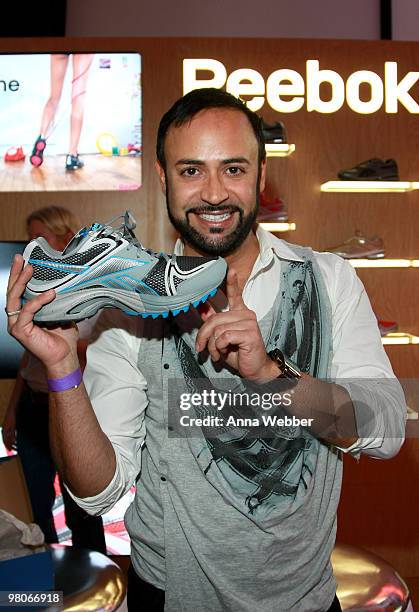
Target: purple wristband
{"points": [[71, 381]]}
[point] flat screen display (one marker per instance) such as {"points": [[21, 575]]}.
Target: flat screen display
{"points": [[70, 121], [10, 349]]}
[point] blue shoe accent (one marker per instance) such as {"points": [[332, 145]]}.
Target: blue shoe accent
{"points": [[196, 303], [185, 308], [155, 315], [164, 315], [213, 292], [176, 311]]}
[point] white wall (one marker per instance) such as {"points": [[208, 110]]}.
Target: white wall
{"points": [[352, 19]]}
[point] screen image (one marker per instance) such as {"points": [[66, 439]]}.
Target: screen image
{"points": [[70, 121], [10, 349]]}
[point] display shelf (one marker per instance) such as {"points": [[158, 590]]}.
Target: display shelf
{"points": [[384, 263], [412, 415], [279, 150], [369, 186], [272, 226], [400, 338]]}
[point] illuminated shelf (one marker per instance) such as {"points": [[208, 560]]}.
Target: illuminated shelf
{"points": [[279, 150], [384, 263], [369, 186], [278, 227], [412, 415], [400, 338]]}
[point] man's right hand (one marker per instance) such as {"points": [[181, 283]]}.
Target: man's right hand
{"points": [[55, 347]]}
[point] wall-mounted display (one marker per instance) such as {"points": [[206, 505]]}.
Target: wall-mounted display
{"points": [[70, 121]]}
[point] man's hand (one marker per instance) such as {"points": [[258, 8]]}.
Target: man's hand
{"points": [[55, 348], [235, 337]]}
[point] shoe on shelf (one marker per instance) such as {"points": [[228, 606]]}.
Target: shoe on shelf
{"points": [[37, 156], [73, 162], [271, 210], [275, 133], [14, 154], [359, 246], [387, 327], [105, 266], [372, 170]]}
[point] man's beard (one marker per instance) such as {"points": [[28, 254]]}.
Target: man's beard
{"points": [[204, 244]]}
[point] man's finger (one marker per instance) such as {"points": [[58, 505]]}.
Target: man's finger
{"points": [[15, 270], [22, 324], [32, 306], [232, 337], [234, 295], [212, 349], [18, 280], [207, 329]]}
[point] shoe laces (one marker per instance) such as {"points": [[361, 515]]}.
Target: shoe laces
{"points": [[125, 230]]}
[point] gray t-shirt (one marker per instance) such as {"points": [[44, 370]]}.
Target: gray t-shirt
{"points": [[208, 554]]}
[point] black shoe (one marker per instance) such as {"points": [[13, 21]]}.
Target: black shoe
{"points": [[73, 162], [372, 170], [274, 134]]}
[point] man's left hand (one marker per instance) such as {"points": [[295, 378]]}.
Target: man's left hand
{"points": [[235, 337]]}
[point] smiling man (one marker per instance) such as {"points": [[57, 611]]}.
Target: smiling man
{"points": [[225, 518], [212, 184]]}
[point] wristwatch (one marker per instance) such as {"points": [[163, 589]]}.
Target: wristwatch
{"points": [[289, 372]]}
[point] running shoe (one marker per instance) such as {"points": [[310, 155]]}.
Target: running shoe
{"points": [[105, 266], [37, 156], [72, 162], [271, 210], [387, 327], [372, 170], [14, 154], [359, 246]]}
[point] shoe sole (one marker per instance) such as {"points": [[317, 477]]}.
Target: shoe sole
{"points": [[273, 217], [37, 158], [392, 177], [375, 255], [384, 332], [275, 141], [128, 301]]}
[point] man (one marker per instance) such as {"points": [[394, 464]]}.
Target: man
{"points": [[224, 518]]}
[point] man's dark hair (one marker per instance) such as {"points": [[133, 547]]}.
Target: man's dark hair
{"points": [[192, 103]]}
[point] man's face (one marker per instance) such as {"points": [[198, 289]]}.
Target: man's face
{"points": [[212, 180]]}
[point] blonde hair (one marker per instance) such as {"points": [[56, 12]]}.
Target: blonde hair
{"points": [[57, 219]]}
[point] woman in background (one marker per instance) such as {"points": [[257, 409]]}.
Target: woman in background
{"points": [[25, 426]]}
